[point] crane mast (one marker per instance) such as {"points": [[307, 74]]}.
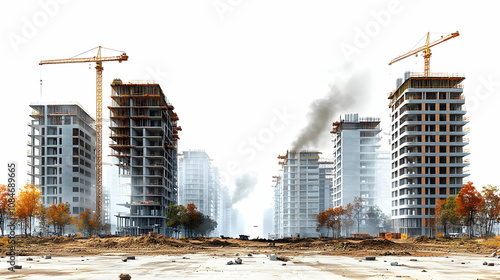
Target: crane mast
{"points": [[98, 126], [426, 49]]}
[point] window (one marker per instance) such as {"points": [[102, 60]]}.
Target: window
{"points": [[75, 199], [76, 189]]}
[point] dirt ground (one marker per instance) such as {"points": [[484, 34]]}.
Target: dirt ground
{"points": [[162, 245]]}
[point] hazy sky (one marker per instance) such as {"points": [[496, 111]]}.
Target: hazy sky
{"points": [[242, 74]]}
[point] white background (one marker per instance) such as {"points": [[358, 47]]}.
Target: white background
{"points": [[229, 65]]}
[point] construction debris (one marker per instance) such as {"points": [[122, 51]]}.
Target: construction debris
{"points": [[236, 261], [125, 277]]}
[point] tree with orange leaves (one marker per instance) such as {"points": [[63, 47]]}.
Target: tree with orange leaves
{"points": [[193, 219], [469, 204], [28, 205], [335, 221], [491, 209], [60, 216], [4, 208], [88, 223], [446, 213], [331, 219], [321, 220]]}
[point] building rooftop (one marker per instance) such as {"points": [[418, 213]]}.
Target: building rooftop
{"points": [[435, 80]]}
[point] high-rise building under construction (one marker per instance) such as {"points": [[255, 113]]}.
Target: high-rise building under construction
{"points": [[428, 119], [62, 155], [361, 168], [144, 132], [302, 191]]}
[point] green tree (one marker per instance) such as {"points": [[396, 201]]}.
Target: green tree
{"points": [[176, 215], [193, 221], [446, 213], [375, 219], [205, 226]]}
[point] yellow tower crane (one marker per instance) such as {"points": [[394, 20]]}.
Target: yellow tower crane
{"points": [[98, 59], [427, 51]]}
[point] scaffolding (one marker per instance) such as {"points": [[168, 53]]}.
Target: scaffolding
{"points": [[144, 134]]}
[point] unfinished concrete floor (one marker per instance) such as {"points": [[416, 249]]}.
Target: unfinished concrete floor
{"points": [[255, 267]]}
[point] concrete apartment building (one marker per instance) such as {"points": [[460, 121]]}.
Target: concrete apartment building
{"points": [[224, 225], [427, 145], [144, 136], [199, 183], [277, 207], [303, 190], [359, 166], [61, 155], [195, 181]]}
